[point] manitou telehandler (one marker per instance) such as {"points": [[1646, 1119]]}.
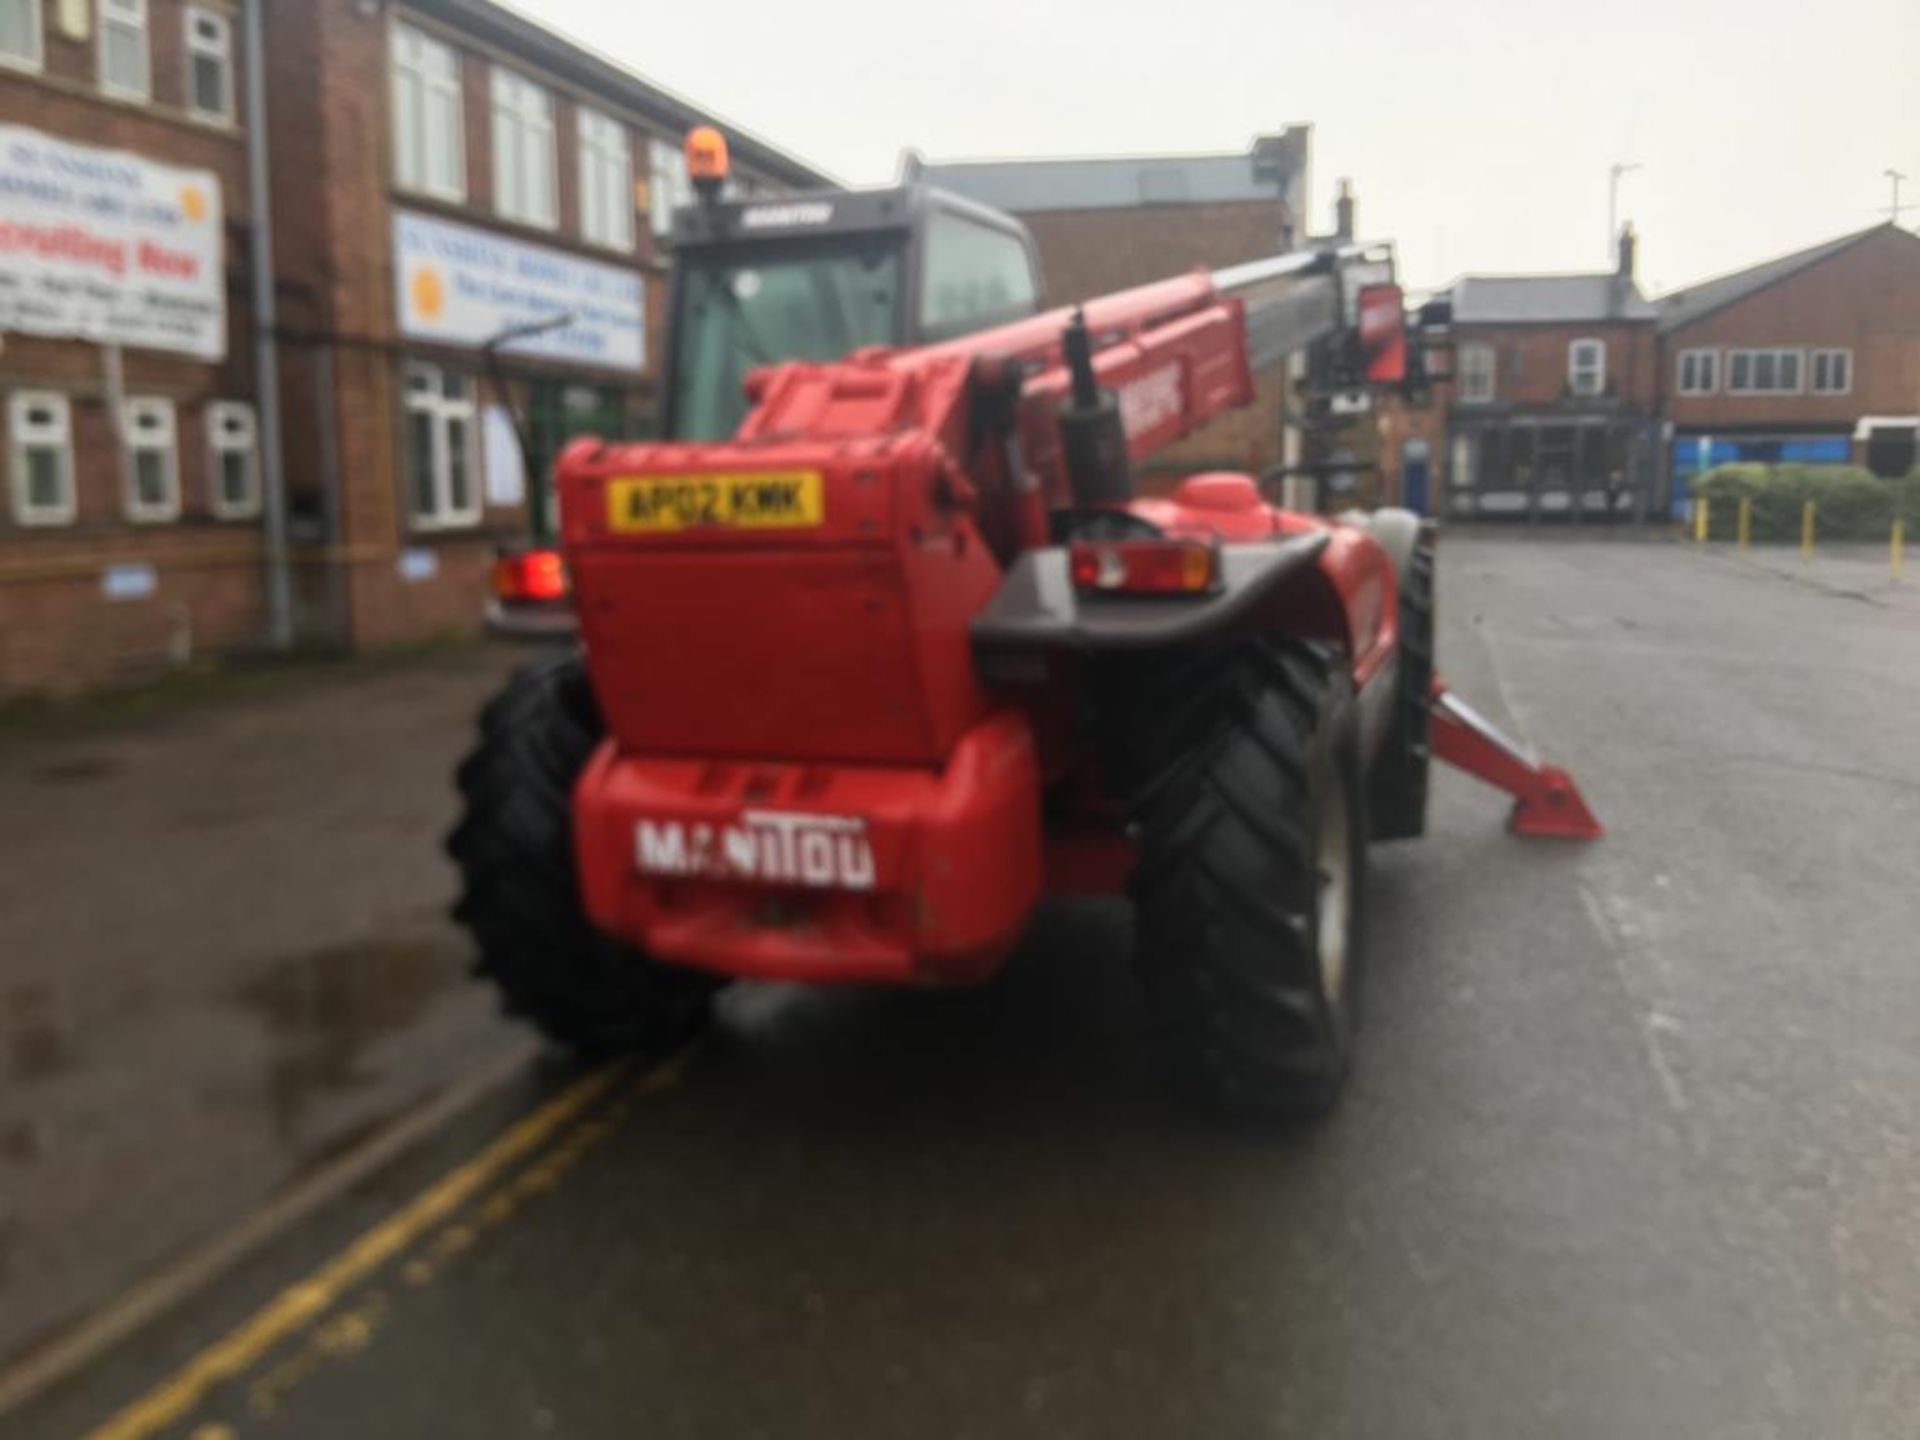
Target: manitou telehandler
{"points": [[881, 645]]}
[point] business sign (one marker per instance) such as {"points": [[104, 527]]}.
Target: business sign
{"points": [[105, 246], [458, 285]]}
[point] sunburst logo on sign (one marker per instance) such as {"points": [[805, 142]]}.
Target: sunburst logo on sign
{"points": [[428, 293], [193, 203]]}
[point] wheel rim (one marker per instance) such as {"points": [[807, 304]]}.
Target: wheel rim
{"points": [[1335, 863]]}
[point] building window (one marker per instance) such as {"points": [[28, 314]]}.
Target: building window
{"points": [[1699, 372], [1587, 367], [429, 139], [233, 460], [1832, 372], [124, 65], [1460, 472], [1763, 372], [20, 34], [974, 276], [153, 467], [1474, 365], [440, 463], [523, 187], [606, 181], [40, 457], [209, 64], [669, 186]]}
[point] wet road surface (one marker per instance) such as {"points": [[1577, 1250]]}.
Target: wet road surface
{"points": [[1631, 1148], [223, 958]]}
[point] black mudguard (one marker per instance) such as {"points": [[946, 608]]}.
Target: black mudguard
{"points": [[1037, 607]]}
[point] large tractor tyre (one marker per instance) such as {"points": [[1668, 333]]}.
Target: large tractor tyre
{"points": [[1251, 834], [519, 892], [1397, 789]]}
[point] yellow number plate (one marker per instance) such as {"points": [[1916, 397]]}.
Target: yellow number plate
{"points": [[767, 500]]}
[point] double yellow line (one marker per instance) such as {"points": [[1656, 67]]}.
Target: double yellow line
{"points": [[307, 1300]]}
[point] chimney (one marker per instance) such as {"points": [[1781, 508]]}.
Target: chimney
{"points": [[1627, 242], [1343, 211]]}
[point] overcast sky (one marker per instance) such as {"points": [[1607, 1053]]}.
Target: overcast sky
{"points": [[1478, 132]]}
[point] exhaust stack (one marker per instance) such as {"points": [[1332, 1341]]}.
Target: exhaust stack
{"points": [[1093, 437]]}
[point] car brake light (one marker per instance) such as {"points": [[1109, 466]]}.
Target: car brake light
{"points": [[1144, 567], [530, 575]]}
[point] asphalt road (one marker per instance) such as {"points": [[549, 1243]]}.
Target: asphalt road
{"points": [[1630, 1152]]}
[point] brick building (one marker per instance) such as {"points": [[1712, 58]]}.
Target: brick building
{"points": [[117, 556], [1552, 411], [1108, 223], [487, 175], [1812, 356], [441, 170]]}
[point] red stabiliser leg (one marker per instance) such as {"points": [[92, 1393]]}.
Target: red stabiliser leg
{"points": [[1546, 802]]}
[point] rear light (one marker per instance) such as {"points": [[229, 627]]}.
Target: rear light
{"points": [[1144, 567], [530, 575]]}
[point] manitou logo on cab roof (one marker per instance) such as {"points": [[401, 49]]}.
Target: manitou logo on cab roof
{"points": [[827, 852], [768, 217]]}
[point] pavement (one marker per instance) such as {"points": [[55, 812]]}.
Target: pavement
{"points": [[224, 958], [1631, 1149], [1854, 571]]}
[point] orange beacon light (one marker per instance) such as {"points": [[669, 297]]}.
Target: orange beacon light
{"points": [[706, 152]]}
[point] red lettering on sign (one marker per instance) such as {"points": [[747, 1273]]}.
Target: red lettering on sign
{"points": [[158, 260]]}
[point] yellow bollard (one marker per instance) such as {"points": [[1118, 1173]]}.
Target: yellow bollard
{"points": [[1898, 547], [1806, 530], [1699, 519], [1746, 523]]}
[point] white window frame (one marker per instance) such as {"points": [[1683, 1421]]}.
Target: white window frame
{"points": [[36, 59], [128, 15], [1748, 353], [413, 65], [1473, 384], [525, 156], [1597, 386], [232, 429], [606, 180], [442, 408], [669, 186], [1829, 353], [1700, 360], [22, 436], [196, 46], [135, 416]]}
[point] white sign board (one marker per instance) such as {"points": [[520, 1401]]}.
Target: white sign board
{"points": [[128, 582], [459, 285], [417, 565], [506, 473], [105, 246]]}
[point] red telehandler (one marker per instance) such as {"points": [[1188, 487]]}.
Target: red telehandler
{"points": [[881, 647]]}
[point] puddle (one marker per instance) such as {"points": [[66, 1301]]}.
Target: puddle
{"points": [[77, 768], [324, 1009], [38, 1034], [20, 1141]]}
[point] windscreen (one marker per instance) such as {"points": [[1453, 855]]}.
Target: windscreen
{"points": [[738, 311]]}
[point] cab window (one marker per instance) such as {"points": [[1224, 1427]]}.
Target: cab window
{"points": [[974, 276], [818, 302]]}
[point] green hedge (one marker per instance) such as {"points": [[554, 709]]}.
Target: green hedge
{"points": [[1851, 503]]}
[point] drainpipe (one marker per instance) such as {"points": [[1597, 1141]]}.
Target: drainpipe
{"points": [[339, 568], [265, 346]]}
